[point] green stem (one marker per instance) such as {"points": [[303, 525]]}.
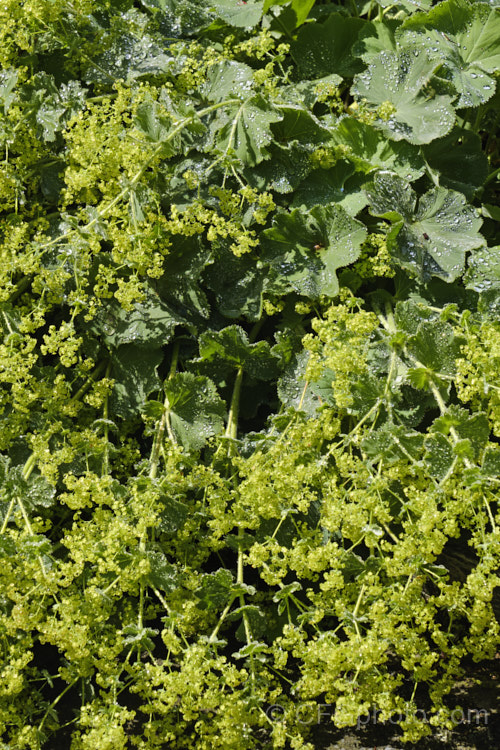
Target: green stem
{"points": [[7, 515], [105, 460], [91, 379], [56, 701], [232, 421], [491, 176], [20, 288], [223, 616], [356, 608], [31, 532], [164, 423]]}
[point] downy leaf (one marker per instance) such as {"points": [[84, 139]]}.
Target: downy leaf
{"points": [[134, 373], [238, 13], [244, 130], [306, 93], [215, 589], [307, 248], [432, 234], [290, 17], [293, 390], [238, 284], [151, 120], [8, 80], [369, 149], [339, 185], [483, 272], [232, 347], [472, 427], [457, 161], [325, 48], [393, 443], [195, 410], [298, 124], [376, 37], [400, 83], [466, 38], [127, 56], [439, 456], [436, 346], [34, 492], [287, 166], [150, 323], [181, 285], [162, 574], [228, 79]]}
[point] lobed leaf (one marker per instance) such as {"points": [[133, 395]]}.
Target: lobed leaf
{"points": [[400, 81]]}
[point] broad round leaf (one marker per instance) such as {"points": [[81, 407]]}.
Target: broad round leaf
{"points": [[306, 248], [430, 238], [400, 80], [195, 410]]}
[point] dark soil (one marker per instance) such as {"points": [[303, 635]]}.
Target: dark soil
{"points": [[477, 723]]}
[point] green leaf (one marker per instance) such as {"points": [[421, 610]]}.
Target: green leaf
{"points": [[430, 237], [134, 635], [251, 649], [238, 284], [48, 106], [239, 13], [376, 37], [298, 124], [409, 314], [155, 120], [134, 373], [400, 81], [369, 149], [307, 248], [8, 81], [491, 461], [458, 162], [353, 566], [173, 515], [436, 346], [439, 456], [182, 18], [151, 120], [128, 56], [244, 130], [228, 79], [181, 285], [474, 428], [195, 410], [215, 589], [393, 443], [33, 492], [306, 93], [293, 390], [299, 10], [284, 170], [150, 323], [483, 272], [287, 590], [162, 574], [325, 48], [336, 185], [465, 37], [408, 5], [231, 347]]}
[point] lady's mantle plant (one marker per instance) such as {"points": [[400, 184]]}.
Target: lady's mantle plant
{"points": [[250, 410]]}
